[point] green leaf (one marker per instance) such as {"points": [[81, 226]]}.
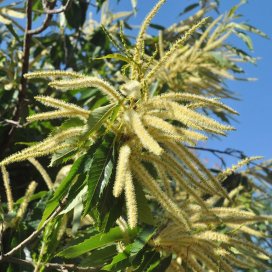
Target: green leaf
{"points": [[100, 256], [156, 26], [63, 188], [145, 214], [97, 117], [251, 29], [96, 173], [189, 8], [116, 56], [97, 241], [162, 266], [247, 40], [76, 197], [33, 197], [76, 13], [118, 263]]}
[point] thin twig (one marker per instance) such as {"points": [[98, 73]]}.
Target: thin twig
{"points": [[22, 92], [47, 20], [35, 233], [17, 114], [55, 11], [230, 152], [41, 28], [58, 266]]}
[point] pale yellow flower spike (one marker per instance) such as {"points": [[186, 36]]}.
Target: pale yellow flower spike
{"points": [[139, 47], [159, 124], [22, 156], [175, 46], [56, 115], [59, 104], [130, 200], [43, 173], [121, 170], [209, 175], [53, 74], [6, 180], [222, 176], [195, 98], [192, 166], [86, 82], [174, 211], [47, 146], [190, 117], [22, 209], [146, 139]]}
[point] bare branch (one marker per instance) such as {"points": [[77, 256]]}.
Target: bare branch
{"points": [[55, 11], [58, 266], [41, 28], [35, 233]]}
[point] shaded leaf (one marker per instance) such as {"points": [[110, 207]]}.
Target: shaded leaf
{"points": [[97, 241]]}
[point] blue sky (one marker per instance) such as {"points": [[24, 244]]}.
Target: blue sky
{"points": [[254, 131], [254, 126]]}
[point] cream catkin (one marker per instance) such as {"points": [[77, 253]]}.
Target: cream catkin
{"points": [[130, 200], [146, 139], [29, 192], [6, 180], [121, 170], [56, 115], [53, 74], [43, 172], [139, 47], [175, 46], [59, 104], [160, 196], [86, 82]]}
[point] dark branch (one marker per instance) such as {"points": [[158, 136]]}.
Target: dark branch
{"points": [[55, 11], [58, 266], [230, 152], [35, 233], [22, 92]]}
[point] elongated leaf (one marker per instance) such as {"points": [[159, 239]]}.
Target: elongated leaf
{"points": [[189, 8], [250, 28], [247, 40], [100, 256], [76, 200], [96, 174], [116, 56], [97, 241], [145, 214], [63, 188], [97, 117]]}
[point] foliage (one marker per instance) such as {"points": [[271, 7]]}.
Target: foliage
{"points": [[129, 193]]}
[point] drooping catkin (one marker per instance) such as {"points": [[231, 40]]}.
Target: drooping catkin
{"points": [[43, 172], [53, 74], [145, 138], [59, 104], [6, 181], [86, 82], [56, 115], [139, 47], [209, 175], [191, 165], [174, 212], [131, 200], [29, 192], [222, 176], [47, 146], [188, 97], [174, 47], [121, 170]]}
